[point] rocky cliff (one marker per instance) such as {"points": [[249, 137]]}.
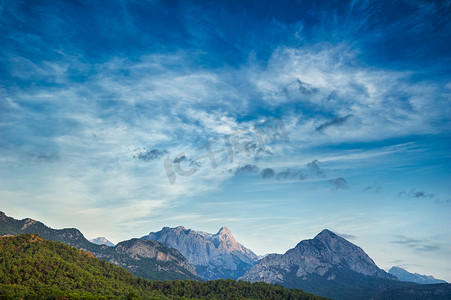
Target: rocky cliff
{"points": [[327, 251], [327, 264], [214, 255]]}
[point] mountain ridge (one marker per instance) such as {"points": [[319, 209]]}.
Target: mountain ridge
{"points": [[215, 256], [405, 275], [166, 264], [34, 268]]}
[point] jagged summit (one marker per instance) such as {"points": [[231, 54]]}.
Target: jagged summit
{"points": [[224, 231], [214, 255]]}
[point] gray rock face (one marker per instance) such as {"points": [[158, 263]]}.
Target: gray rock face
{"points": [[138, 250], [214, 255], [102, 241], [325, 253], [404, 275]]}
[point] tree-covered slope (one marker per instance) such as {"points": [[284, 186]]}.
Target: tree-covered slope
{"points": [[31, 266], [34, 268], [147, 259]]}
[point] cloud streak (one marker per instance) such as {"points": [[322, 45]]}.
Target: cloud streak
{"points": [[148, 155], [334, 122], [417, 245], [339, 183]]}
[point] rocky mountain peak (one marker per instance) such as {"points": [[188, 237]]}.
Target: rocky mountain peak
{"points": [[339, 246], [326, 233], [214, 255], [327, 253], [102, 241], [180, 228], [225, 240], [224, 231]]}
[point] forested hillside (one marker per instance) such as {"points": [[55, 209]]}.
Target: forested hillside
{"points": [[149, 259], [31, 267]]}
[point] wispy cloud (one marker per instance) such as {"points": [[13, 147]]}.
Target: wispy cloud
{"points": [[416, 244], [372, 189], [415, 194], [268, 173], [314, 166], [339, 183], [346, 236], [446, 203], [148, 155], [334, 122], [247, 169]]}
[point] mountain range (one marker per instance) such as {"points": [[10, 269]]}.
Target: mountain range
{"points": [[327, 265], [34, 268], [404, 275], [213, 255], [148, 259]]}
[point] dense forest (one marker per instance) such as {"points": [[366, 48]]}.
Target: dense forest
{"points": [[34, 268]]}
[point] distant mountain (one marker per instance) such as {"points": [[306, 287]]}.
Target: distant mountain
{"points": [[34, 268], [147, 259], [102, 241], [214, 255], [403, 275], [330, 266]]}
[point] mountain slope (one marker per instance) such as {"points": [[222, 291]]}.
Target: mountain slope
{"points": [[102, 241], [34, 268], [70, 236], [404, 275], [151, 260], [214, 255], [330, 266], [326, 252], [164, 264]]}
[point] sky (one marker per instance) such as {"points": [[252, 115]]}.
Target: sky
{"points": [[276, 119]]}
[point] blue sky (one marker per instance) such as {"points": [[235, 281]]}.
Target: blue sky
{"points": [[96, 96]]}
